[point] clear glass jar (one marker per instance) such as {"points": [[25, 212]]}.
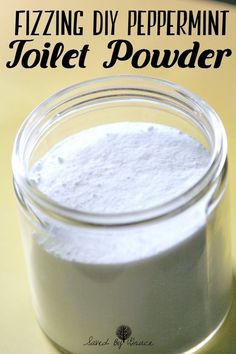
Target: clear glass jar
{"points": [[170, 302]]}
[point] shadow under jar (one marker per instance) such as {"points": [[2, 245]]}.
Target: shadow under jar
{"points": [[170, 301]]}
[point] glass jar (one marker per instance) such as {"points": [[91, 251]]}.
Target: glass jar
{"points": [[171, 301]]}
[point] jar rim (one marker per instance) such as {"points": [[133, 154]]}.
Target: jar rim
{"points": [[211, 176]]}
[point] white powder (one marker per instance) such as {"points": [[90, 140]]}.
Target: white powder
{"points": [[155, 277], [120, 167]]}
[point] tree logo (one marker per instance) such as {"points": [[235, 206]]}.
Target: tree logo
{"points": [[123, 332]]}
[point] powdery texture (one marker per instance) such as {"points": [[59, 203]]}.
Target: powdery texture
{"points": [[120, 167]]}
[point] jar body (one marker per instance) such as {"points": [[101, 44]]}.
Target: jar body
{"points": [[91, 292], [172, 301]]}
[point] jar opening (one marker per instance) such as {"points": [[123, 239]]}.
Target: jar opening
{"points": [[150, 98]]}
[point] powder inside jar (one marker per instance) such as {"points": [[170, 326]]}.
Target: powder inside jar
{"points": [[151, 276], [120, 167]]}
